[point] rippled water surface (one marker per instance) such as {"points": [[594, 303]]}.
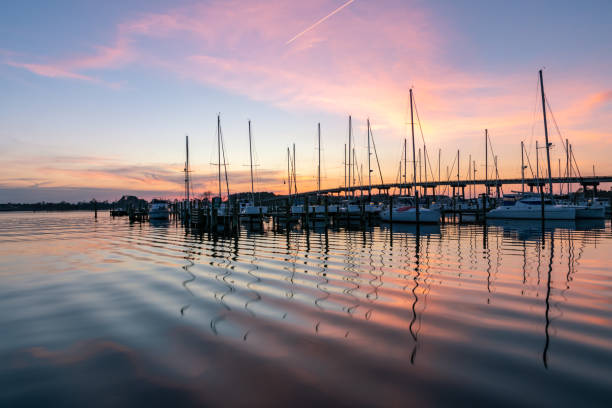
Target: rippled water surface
{"points": [[99, 313]]}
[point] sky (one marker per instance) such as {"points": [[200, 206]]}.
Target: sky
{"points": [[97, 97]]}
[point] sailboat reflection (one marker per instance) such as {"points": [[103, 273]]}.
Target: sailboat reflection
{"points": [[529, 230], [190, 253], [415, 322], [547, 301]]}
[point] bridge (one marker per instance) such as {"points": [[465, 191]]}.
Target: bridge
{"points": [[585, 182]]}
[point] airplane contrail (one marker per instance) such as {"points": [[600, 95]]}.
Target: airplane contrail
{"points": [[319, 22]]}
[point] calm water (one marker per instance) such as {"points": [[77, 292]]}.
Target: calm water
{"points": [[107, 313]]}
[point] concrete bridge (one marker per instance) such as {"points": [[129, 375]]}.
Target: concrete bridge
{"points": [[460, 185]]}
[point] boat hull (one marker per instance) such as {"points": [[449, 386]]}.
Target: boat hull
{"points": [[533, 213], [159, 215], [399, 215], [590, 213]]}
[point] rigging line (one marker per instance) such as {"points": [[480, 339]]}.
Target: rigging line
{"points": [[529, 162], [555, 123], [224, 164], [399, 178], [422, 136], [576, 163], [376, 155], [535, 111]]}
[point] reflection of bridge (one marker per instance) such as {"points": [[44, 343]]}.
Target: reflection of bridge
{"points": [[461, 184]]}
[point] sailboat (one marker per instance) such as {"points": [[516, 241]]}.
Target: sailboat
{"points": [[296, 207], [530, 205], [318, 209], [407, 209], [349, 206], [222, 207], [370, 207], [250, 209]]}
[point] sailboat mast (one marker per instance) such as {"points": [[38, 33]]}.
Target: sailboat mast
{"points": [[474, 179], [294, 172], [345, 184], [355, 170], [425, 161], [369, 166], [487, 162], [251, 159], [522, 168], [537, 163], [319, 161], [416, 193], [219, 152], [187, 168], [469, 174], [567, 165], [546, 134], [405, 168], [458, 169], [420, 167], [412, 130], [350, 146], [288, 170]]}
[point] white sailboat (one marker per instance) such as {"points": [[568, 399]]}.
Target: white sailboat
{"points": [[250, 209], [529, 207], [407, 209], [222, 207]]}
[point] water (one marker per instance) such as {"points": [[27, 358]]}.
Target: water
{"points": [[98, 313]]}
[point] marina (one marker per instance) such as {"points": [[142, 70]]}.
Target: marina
{"points": [[338, 203]]}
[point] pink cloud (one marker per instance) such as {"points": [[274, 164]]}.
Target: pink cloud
{"points": [[362, 61]]}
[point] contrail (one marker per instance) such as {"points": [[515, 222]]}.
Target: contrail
{"points": [[320, 21]]}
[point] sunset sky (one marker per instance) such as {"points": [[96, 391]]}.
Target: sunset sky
{"points": [[97, 97]]}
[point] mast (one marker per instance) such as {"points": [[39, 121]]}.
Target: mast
{"points": [[349, 152], [522, 168], [425, 161], [420, 166], [319, 165], [416, 193], [355, 170], [496, 176], [369, 166], [219, 152], [470, 174], [294, 172], [487, 161], [571, 166], [405, 168], [537, 163], [251, 158], [289, 171], [345, 184], [458, 175], [546, 134], [567, 169], [561, 184], [412, 130], [474, 179], [187, 168]]}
